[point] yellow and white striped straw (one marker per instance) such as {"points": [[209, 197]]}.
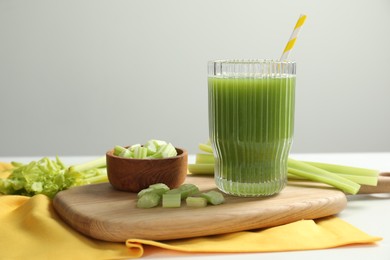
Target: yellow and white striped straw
{"points": [[293, 37]]}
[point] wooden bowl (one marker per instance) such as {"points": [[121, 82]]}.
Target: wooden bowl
{"points": [[127, 174]]}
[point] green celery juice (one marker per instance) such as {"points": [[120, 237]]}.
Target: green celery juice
{"points": [[251, 123]]}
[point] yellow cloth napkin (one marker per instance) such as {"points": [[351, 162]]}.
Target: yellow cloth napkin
{"points": [[31, 229]]}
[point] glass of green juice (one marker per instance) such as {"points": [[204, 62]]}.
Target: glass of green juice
{"points": [[251, 123]]}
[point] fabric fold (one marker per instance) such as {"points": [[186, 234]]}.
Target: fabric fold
{"points": [[322, 233]]}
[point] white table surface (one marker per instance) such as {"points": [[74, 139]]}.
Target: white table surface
{"points": [[370, 213]]}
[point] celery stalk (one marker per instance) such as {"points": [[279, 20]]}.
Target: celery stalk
{"points": [[97, 163], [202, 158], [206, 148], [355, 174], [198, 168], [343, 169], [363, 180], [313, 173]]}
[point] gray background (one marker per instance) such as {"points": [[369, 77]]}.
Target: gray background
{"points": [[78, 77]]}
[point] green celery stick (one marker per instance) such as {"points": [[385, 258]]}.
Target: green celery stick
{"points": [[171, 200], [204, 158], [291, 176], [96, 163], [313, 173], [213, 197], [363, 180], [206, 148], [198, 202], [203, 168], [343, 169]]}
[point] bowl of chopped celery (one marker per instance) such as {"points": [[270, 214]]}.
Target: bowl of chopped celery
{"points": [[136, 167]]}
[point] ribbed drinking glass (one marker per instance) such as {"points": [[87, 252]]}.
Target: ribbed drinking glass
{"points": [[251, 124]]}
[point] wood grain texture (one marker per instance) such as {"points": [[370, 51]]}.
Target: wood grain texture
{"points": [[101, 212], [383, 185]]}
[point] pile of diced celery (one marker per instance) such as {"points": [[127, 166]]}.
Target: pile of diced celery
{"points": [[152, 149], [160, 193]]}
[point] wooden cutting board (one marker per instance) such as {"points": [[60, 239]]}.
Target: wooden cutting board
{"points": [[101, 212]]}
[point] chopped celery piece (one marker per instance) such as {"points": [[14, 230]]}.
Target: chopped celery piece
{"points": [[313, 173], [126, 153], [159, 188], [118, 150], [140, 152], [206, 148], [159, 191], [213, 197], [155, 193], [152, 147], [184, 190], [159, 143], [188, 189], [171, 200], [198, 202], [198, 168], [132, 147], [204, 158], [149, 200], [165, 151]]}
